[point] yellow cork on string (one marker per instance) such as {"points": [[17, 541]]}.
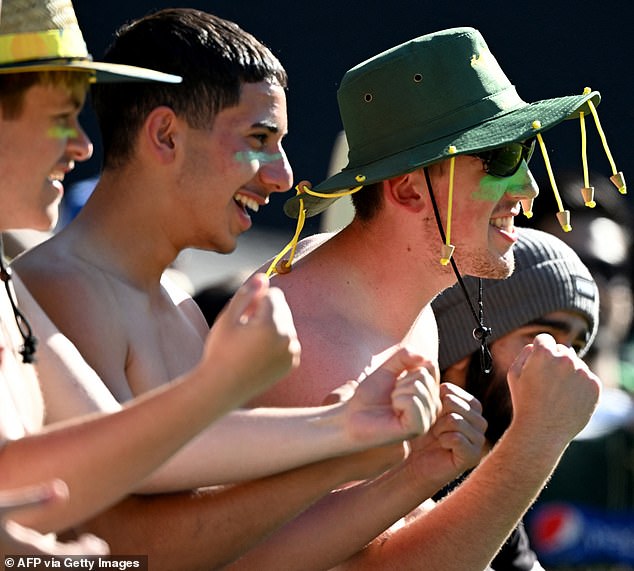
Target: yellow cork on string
{"points": [[587, 191], [563, 216], [527, 207], [618, 180], [447, 248], [617, 177]]}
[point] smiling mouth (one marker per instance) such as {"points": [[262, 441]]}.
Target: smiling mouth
{"points": [[246, 202], [55, 176], [505, 223]]}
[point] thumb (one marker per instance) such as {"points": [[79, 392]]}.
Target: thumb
{"points": [[515, 370], [243, 304], [402, 360], [37, 494]]}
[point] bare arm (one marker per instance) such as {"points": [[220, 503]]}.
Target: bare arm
{"points": [[208, 529], [394, 403], [119, 450], [554, 395], [346, 521], [245, 444]]}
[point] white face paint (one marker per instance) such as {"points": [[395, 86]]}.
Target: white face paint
{"points": [[258, 156]]}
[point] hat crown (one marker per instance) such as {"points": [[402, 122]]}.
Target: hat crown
{"points": [[27, 16], [429, 99], [44, 35], [423, 90]]}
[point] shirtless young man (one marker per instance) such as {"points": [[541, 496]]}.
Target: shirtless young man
{"points": [[208, 528], [434, 118], [108, 456]]}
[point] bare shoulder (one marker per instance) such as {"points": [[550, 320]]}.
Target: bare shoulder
{"points": [[178, 291], [81, 302], [304, 247], [423, 335], [62, 284]]}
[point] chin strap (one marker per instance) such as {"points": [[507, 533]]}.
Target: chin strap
{"points": [[281, 266], [481, 331], [30, 341]]}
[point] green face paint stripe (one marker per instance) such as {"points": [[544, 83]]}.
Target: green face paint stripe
{"points": [[62, 132], [259, 156], [491, 188]]}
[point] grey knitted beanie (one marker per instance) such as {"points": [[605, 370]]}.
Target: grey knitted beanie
{"points": [[548, 276]]}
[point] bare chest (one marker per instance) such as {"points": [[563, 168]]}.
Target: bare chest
{"points": [[163, 343], [336, 349]]}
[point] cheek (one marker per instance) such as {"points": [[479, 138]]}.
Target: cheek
{"points": [[490, 189]]}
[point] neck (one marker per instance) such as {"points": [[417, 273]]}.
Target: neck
{"points": [[119, 231]]}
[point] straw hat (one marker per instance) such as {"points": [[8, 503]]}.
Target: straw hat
{"points": [[422, 101], [43, 35]]}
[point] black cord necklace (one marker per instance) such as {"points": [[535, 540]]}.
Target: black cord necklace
{"points": [[481, 331], [30, 341]]}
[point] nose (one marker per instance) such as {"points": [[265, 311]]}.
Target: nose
{"points": [[277, 175], [524, 184], [79, 147]]}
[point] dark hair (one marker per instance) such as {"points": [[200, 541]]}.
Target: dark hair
{"points": [[368, 201], [13, 86], [497, 407], [214, 56]]}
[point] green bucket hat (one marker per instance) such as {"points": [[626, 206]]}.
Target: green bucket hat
{"points": [[439, 95]]}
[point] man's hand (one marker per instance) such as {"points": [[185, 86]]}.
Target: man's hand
{"points": [[553, 391], [254, 339], [454, 443], [398, 401]]}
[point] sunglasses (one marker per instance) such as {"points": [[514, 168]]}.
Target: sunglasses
{"points": [[505, 161]]}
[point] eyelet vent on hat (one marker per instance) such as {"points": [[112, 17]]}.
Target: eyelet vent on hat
{"points": [[368, 97], [418, 77]]}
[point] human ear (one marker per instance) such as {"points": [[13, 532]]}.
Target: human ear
{"points": [[161, 130], [408, 191]]}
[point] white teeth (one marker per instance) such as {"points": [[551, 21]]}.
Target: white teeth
{"points": [[506, 223], [248, 202], [56, 176]]}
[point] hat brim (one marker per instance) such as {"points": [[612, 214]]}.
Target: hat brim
{"points": [[511, 126], [102, 72]]}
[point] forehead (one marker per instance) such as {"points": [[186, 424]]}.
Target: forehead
{"points": [[261, 104], [55, 95]]}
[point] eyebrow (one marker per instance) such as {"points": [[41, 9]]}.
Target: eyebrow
{"points": [[272, 127], [560, 325]]}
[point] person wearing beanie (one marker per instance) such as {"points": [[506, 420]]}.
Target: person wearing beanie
{"points": [[550, 291]]}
